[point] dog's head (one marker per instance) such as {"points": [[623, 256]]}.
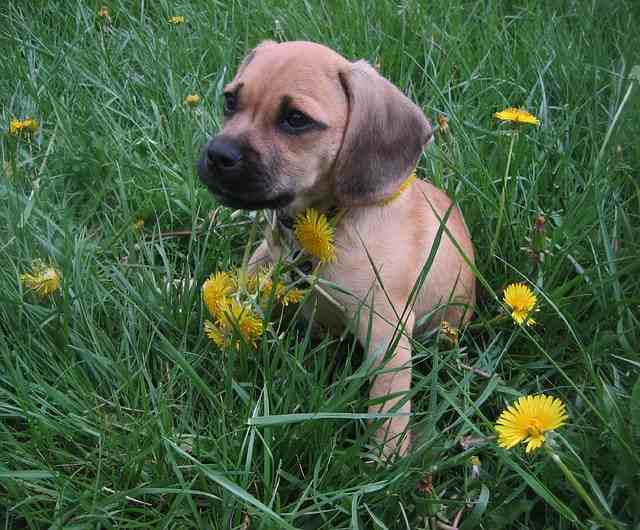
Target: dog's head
{"points": [[305, 127]]}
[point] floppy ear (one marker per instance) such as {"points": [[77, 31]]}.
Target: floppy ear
{"points": [[383, 140]]}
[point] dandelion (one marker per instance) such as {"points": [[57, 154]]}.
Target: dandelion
{"points": [[103, 13], [540, 223], [215, 334], [443, 123], [475, 466], [176, 20], [234, 318], [315, 235], [43, 280], [509, 115], [514, 115], [452, 334], [289, 296], [261, 282], [521, 301], [28, 125], [192, 100], [537, 249], [425, 484], [249, 323], [215, 292], [528, 419]]}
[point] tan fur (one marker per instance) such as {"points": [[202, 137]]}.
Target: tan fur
{"points": [[361, 110]]}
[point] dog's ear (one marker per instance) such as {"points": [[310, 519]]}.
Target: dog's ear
{"points": [[249, 57], [383, 140]]}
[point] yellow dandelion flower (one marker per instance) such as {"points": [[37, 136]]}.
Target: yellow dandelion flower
{"points": [[215, 334], [249, 323], [103, 12], [315, 235], [215, 292], [521, 300], [252, 284], [452, 334], [289, 296], [192, 100], [514, 115], [29, 125], [260, 281], [235, 319], [242, 319], [42, 279], [176, 20], [15, 126], [528, 419]]}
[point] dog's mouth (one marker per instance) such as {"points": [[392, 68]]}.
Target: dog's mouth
{"points": [[245, 202]]}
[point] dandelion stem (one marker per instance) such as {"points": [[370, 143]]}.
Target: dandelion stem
{"points": [[242, 274], [503, 197], [607, 136], [481, 324], [579, 489]]}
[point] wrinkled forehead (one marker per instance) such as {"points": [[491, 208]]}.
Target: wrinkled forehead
{"points": [[308, 81]]}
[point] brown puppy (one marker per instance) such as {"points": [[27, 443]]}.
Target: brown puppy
{"points": [[304, 127]]}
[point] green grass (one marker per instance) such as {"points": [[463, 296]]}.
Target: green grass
{"points": [[116, 411]]}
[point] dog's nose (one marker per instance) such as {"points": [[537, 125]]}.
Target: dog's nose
{"points": [[223, 154]]}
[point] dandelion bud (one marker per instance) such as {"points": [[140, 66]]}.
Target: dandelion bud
{"points": [[443, 123]]}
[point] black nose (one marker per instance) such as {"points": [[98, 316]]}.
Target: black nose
{"points": [[223, 154]]}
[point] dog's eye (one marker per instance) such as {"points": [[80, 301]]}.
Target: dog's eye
{"points": [[230, 103], [296, 121]]}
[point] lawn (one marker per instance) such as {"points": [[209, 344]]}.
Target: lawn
{"points": [[117, 411]]}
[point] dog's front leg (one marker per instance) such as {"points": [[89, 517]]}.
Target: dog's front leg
{"points": [[392, 382]]}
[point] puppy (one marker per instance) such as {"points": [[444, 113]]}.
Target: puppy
{"points": [[306, 128]]}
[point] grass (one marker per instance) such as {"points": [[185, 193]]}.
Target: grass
{"points": [[116, 411]]}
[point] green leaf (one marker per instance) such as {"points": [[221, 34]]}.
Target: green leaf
{"points": [[283, 419], [26, 475], [544, 493], [233, 488], [473, 519]]}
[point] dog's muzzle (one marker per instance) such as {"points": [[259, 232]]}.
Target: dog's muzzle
{"points": [[235, 174], [221, 164], [222, 155]]}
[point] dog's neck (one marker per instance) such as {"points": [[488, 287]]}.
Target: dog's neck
{"points": [[286, 217], [281, 225]]}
